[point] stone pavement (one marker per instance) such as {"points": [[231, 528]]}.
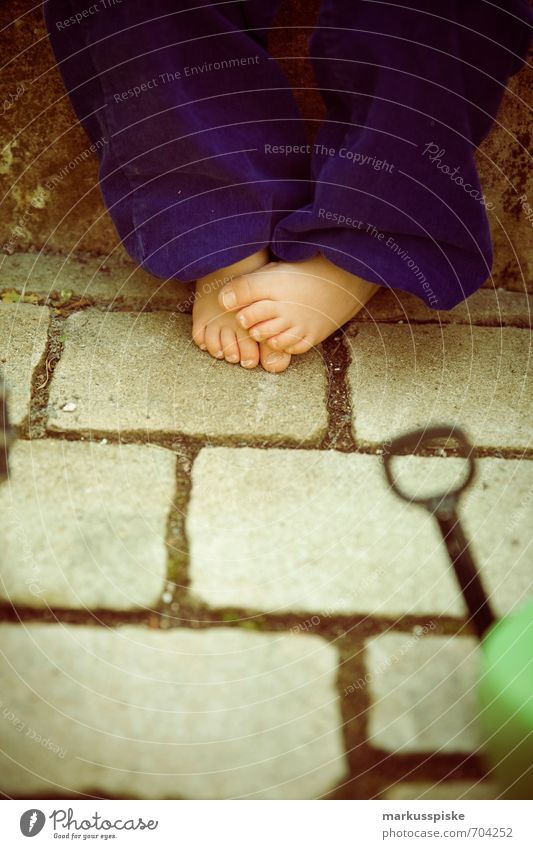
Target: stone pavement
{"points": [[207, 588]]}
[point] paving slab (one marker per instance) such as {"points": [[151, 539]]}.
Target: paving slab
{"points": [[422, 693], [140, 713], [405, 377], [84, 525], [106, 281], [490, 307], [453, 790], [23, 334], [302, 530], [143, 373]]}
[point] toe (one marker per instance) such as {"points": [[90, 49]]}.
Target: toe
{"points": [[249, 350], [198, 335], [263, 331], [273, 361], [288, 339], [259, 311], [230, 347], [242, 291], [212, 341], [301, 347]]}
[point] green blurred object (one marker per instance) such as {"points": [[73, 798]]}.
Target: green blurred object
{"points": [[505, 687], [506, 697]]}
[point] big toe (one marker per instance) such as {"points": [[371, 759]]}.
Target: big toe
{"points": [[248, 288], [273, 361]]}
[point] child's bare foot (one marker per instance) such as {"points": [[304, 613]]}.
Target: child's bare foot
{"points": [[216, 330], [290, 307]]}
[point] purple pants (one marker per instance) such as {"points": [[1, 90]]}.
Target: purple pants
{"points": [[203, 155]]}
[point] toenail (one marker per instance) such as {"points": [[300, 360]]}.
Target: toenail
{"points": [[243, 321], [232, 359], [219, 355], [229, 299], [273, 358], [247, 363], [203, 347]]}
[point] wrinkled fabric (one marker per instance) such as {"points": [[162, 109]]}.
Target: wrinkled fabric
{"points": [[203, 155]]}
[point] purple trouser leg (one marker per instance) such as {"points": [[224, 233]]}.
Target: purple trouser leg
{"points": [[198, 122], [410, 94], [186, 96]]}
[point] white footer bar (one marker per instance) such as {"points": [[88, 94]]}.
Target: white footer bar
{"points": [[267, 824]]}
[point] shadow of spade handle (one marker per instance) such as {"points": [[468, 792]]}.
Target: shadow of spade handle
{"points": [[443, 507], [6, 433]]}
